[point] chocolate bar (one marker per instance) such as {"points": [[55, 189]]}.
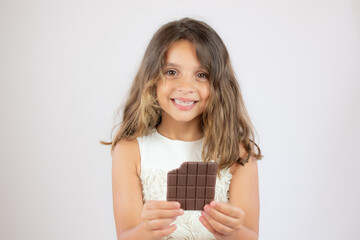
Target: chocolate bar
{"points": [[192, 185]]}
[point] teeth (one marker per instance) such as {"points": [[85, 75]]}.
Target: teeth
{"points": [[183, 103]]}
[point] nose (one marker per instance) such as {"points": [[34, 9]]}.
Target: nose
{"points": [[185, 84]]}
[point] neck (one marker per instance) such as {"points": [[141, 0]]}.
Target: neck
{"points": [[176, 130]]}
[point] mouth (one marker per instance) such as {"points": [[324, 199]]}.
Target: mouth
{"points": [[184, 104]]}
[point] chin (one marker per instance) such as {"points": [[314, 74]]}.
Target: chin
{"points": [[184, 118]]}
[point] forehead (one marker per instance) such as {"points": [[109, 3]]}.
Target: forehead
{"points": [[181, 52]]}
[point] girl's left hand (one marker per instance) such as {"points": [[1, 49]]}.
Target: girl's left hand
{"points": [[222, 219]]}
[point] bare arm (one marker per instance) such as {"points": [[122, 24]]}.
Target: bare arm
{"points": [[244, 193], [126, 185], [133, 219]]}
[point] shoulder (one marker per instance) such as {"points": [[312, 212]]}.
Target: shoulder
{"points": [[124, 147], [243, 154], [128, 152]]}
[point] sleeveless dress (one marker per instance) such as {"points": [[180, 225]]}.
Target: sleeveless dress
{"points": [[159, 155]]}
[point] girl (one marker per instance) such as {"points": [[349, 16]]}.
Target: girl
{"points": [[185, 105]]}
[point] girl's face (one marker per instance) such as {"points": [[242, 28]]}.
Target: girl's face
{"points": [[185, 89]]}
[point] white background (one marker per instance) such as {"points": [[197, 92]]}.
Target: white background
{"points": [[65, 67]]}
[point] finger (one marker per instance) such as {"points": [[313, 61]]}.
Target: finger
{"points": [[157, 234], [218, 227], [228, 209], [207, 225], [155, 204], [160, 223], [220, 217], [158, 214]]}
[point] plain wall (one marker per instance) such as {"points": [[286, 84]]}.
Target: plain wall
{"points": [[65, 67]]}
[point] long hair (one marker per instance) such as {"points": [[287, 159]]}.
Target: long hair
{"points": [[225, 122]]}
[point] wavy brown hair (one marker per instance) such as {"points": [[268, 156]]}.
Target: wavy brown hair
{"points": [[225, 122]]}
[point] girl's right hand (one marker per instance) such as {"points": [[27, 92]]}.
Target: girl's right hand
{"points": [[157, 216]]}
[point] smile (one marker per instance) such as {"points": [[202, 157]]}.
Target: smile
{"points": [[184, 105]]}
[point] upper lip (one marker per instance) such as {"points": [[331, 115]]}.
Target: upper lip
{"points": [[185, 99]]}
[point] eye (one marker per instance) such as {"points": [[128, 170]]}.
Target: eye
{"points": [[170, 72], [203, 75]]}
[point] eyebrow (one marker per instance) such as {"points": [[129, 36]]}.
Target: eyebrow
{"points": [[170, 64]]}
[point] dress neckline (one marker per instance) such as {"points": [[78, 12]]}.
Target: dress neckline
{"points": [[178, 141]]}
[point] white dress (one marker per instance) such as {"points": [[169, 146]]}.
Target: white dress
{"points": [[159, 155]]}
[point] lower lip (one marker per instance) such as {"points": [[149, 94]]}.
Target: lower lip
{"points": [[184, 108]]}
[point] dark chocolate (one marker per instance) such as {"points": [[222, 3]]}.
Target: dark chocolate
{"points": [[192, 185]]}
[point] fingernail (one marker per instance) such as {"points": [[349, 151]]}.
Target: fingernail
{"points": [[203, 213], [206, 208], [213, 204], [181, 211], [177, 204]]}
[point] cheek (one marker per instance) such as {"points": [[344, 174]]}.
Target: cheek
{"points": [[161, 93], [205, 93]]}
